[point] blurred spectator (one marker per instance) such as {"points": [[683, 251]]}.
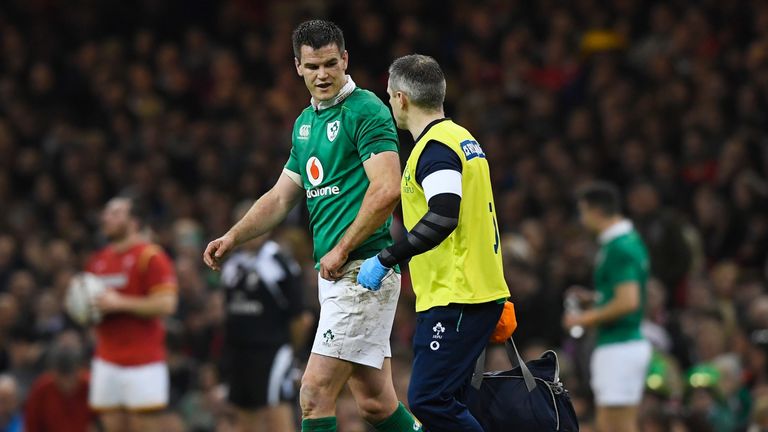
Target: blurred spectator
{"points": [[25, 352], [705, 399], [663, 233], [759, 418], [58, 400], [10, 413]]}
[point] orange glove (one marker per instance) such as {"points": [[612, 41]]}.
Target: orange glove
{"points": [[506, 325]]}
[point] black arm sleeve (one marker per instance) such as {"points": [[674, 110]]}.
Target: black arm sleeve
{"points": [[436, 225]]}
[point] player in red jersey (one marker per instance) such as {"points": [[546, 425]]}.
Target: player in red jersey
{"points": [[129, 376]]}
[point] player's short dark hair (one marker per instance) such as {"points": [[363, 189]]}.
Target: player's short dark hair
{"points": [[420, 78], [139, 208], [316, 34], [601, 195]]}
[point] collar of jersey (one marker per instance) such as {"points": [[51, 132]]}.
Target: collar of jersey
{"points": [[618, 229], [345, 91]]}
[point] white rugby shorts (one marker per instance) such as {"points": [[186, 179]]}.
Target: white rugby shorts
{"points": [[618, 372], [355, 323], [135, 388]]}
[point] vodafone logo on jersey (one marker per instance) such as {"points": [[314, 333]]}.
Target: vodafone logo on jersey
{"points": [[315, 174], [315, 171]]}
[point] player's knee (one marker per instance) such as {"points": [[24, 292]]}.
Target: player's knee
{"points": [[315, 394], [373, 410]]}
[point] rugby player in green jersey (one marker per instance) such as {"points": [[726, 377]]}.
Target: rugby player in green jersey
{"points": [[345, 163], [620, 360]]}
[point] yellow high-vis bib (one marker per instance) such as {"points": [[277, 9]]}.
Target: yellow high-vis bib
{"points": [[466, 267]]}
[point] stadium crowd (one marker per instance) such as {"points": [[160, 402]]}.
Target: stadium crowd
{"points": [[190, 104]]}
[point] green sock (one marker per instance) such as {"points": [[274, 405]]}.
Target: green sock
{"points": [[325, 424], [400, 421]]}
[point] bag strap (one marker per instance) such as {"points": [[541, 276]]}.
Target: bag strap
{"points": [[530, 381], [477, 378], [514, 358]]}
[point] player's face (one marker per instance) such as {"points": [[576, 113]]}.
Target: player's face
{"points": [[396, 102], [323, 69], [587, 216], [116, 219]]}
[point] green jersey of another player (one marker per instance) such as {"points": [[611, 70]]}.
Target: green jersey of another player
{"points": [[330, 143], [622, 258]]}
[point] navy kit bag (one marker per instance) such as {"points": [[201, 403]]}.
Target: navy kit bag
{"points": [[528, 398]]}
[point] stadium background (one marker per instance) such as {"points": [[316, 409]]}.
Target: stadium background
{"points": [[191, 104]]}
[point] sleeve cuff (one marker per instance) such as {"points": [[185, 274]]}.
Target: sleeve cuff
{"points": [[296, 177], [366, 156], [163, 288]]}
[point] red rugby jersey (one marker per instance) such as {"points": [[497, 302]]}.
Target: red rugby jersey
{"points": [[141, 270]]}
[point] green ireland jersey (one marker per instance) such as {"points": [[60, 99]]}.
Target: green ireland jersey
{"points": [[329, 148], [622, 258]]}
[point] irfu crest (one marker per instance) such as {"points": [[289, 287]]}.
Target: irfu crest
{"points": [[332, 129]]}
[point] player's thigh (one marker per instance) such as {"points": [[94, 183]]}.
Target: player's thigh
{"points": [[147, 421], [617, 419], [324, 376], [114, 421]]}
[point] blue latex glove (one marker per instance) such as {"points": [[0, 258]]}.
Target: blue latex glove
{"points": [[371, 273]]}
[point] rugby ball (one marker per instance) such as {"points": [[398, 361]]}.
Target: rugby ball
{"points": [[81, 296]]}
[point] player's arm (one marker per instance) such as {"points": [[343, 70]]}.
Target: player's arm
{"points": [[158, 276], [265, 214], [439, 173], [381, 198], [626, 300], [433, 228], [155, 305]]}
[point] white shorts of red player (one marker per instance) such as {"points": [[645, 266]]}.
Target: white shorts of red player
{"points": [[135, 388]]}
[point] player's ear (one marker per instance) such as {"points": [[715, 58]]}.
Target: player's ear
{"points": [[344, 60], [298, 65], [402, 99]]}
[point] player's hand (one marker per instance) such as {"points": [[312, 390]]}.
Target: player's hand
{"points": [[583, 295], [587, 318], [571, 320], [371, 273], [331, 264], [109, 301], [218, 249]]}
